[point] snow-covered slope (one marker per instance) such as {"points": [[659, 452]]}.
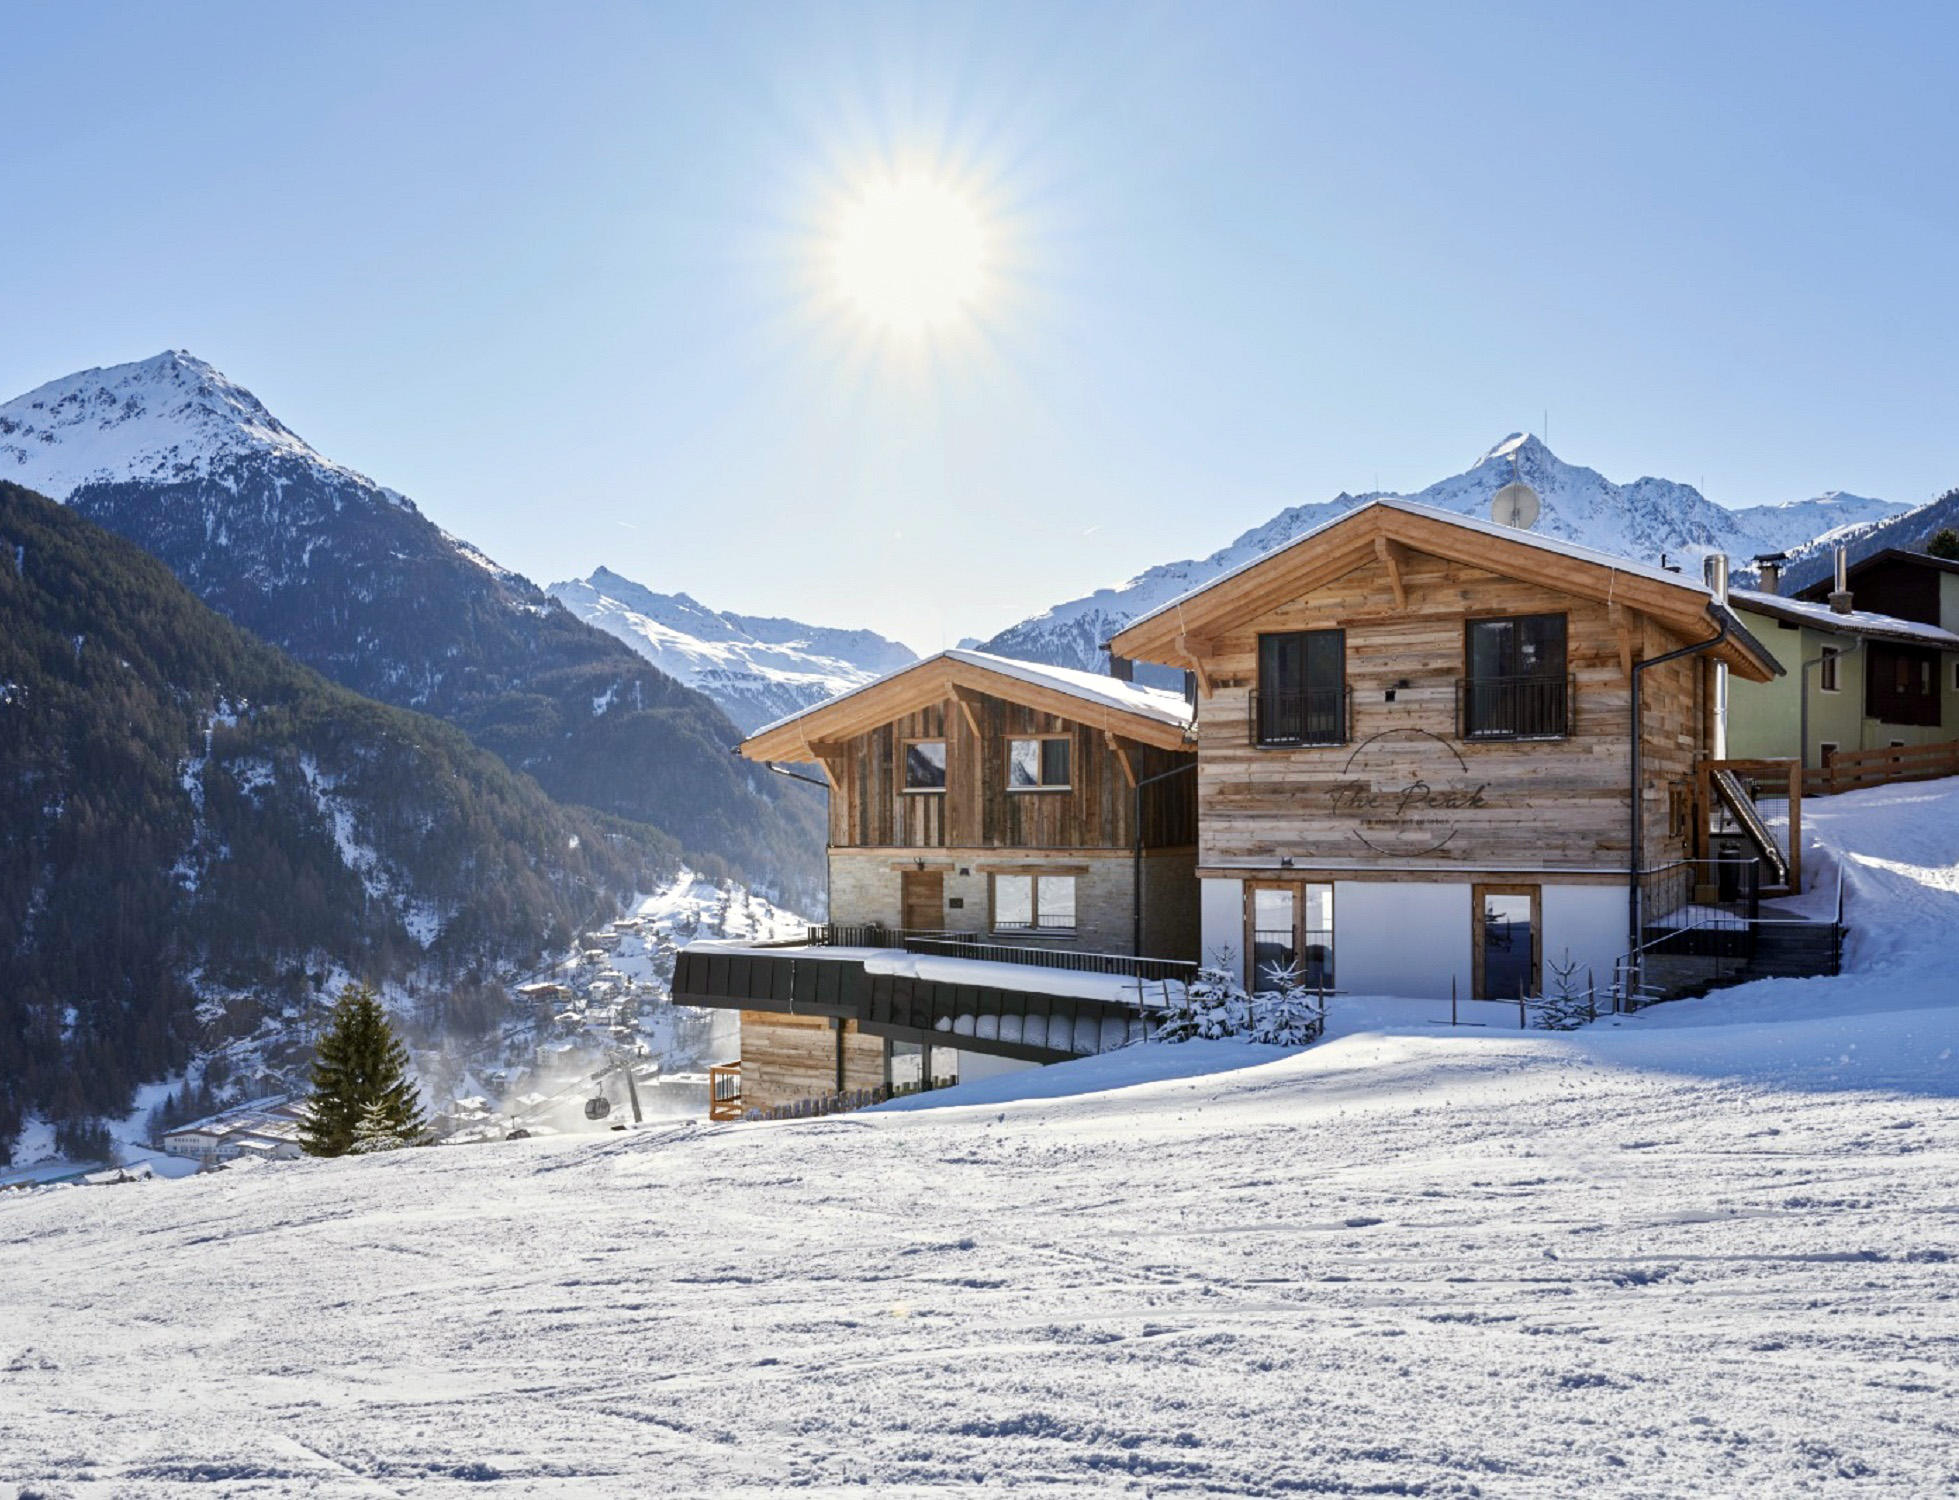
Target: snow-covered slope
{"points": [[1703, 1251], [166, 420], [1643, 519], [1810, 563], [756, 668]]}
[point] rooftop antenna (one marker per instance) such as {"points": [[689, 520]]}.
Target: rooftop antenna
{"points": [[1516, 504]]}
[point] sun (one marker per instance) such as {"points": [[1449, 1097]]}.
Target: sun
{"points": [[910, 254]]}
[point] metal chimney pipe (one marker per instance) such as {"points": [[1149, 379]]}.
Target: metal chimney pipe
{"points": [[1714, 568], [1840, 599]]}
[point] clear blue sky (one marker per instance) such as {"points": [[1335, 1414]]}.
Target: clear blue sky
{"points": [[556, 270]]}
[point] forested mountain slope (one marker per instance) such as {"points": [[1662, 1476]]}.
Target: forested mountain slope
{"points": [[199, 828]]}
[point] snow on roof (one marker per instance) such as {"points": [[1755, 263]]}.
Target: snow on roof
{"points": [[1576, 550], [1129, 697], [1856, 622]]}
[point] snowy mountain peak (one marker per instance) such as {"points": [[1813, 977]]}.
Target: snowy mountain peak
{"points": [[757, 668], [166, 419], [1642, 519]]}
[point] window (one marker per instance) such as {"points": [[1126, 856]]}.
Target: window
{"points": [[1901, 684], [1038, 765], [925, 765], [1291, 930], [1515, 687], [1033, 902], [1302, 688], [1955, 677], [1826, 675]]}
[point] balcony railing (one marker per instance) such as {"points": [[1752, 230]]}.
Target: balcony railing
{"points": [[1309, 718], [1513, 708]]}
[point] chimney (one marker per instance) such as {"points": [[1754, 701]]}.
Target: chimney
{"points": [[1840, 596], [1769, 568], [1121, 668], [1714, 568]]}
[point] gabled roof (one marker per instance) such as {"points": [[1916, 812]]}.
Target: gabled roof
{"points": [[1822, 587], [1152, 716], [1388, 529], [1862, 622]]}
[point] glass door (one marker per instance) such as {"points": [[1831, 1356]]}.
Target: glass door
{"points": [[1508, 942]]}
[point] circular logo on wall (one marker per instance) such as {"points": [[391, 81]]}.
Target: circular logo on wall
{"points": [[1403, 792]]}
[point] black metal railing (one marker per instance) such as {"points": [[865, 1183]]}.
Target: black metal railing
{"points": [[1513, 708], [971, 945], [863, 935], [1309, 718]]}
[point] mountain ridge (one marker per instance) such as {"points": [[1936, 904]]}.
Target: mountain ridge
{"points": [[756, 667], [1644, 518], [354, 580]]}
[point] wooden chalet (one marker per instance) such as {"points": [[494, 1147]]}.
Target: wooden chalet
{"points": [[1003, 817], [1440, 756]]}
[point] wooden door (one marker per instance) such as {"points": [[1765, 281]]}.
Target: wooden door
{"points": [[922, 899]]}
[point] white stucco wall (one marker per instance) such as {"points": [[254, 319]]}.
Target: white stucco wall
{"points": [[1222, 917], [1402, 938], [1590, 922], [974, 1066]]}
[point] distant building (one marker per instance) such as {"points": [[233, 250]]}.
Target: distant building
{"points": [[267, 1129]]}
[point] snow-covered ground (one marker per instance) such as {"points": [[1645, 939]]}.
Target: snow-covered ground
{"points": [[1707, 1250]]}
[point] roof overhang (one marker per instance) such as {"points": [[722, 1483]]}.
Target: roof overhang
{"points": [[1180, 633], [941, 679]]}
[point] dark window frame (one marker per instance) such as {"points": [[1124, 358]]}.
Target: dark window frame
{"points": [[1303, 717], [1512, 705]]}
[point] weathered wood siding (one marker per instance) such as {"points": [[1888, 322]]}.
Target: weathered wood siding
{"points": [[871, 808], [1396, 793], [786, 1058]]}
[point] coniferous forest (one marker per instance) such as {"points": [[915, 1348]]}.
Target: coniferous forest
{"points": [[190, 813]]}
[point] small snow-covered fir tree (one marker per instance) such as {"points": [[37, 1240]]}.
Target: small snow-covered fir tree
{"points": [[1567, 1007], [361, 1066], [1288, 1012], [1214, 1004], [374, 1131]]}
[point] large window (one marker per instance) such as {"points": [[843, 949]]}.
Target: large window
{"points": [[1023, 903], [925, 765], [1291, 933], [1038, 765], [1515, 686], [1302, 688]]}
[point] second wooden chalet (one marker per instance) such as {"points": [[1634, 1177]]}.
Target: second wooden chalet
{"points": [[971, 793], [1440, 755]]}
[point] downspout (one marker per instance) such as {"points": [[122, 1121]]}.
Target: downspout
{"points": [[828, 915], [1802, 692], [1634, 894], [1136, 870]]}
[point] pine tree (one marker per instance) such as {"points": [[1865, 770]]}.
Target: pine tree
{"points": [[361, 1070], [1214, 1004], [1944, 543]]}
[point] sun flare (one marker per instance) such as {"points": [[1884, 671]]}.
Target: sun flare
{"points": [[910, 254]]}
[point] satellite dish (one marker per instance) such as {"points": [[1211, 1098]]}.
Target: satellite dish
{"points": [[1516, 504]]}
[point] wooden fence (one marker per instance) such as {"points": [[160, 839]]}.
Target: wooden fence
{"points": [[1848, 769]]}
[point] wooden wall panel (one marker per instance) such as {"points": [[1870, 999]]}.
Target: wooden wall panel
{"points": [[1397, 787], [976, 811]]}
